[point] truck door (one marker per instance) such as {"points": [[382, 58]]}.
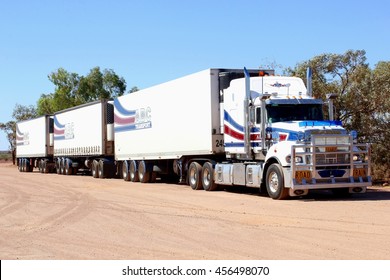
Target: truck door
{"points": [[255, 117]]}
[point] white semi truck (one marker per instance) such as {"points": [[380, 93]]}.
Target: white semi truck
{"points": [[223, 127], [216, 128]]}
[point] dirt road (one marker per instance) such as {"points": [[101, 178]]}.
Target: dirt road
{"points": [[48, 216]]}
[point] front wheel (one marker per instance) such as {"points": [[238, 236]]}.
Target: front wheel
{"points": [[275, 182]]}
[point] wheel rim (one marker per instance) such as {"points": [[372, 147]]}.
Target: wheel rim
{"points": [[273, 182], [193, 176], [133, 171], [124, 170], [206, 177], [100, 170], [141, 171]]}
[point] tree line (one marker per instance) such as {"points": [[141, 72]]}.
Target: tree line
{"points": [[363, 102]]}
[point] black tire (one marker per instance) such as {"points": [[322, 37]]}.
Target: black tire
{"points": [[62, 166], [95, 169], [118, 170], [45, 167], [29, 167], [208, 177], [68, 167], [40, 169], [106, 169], [194, 176], [125, 171], [102, 170], [133, 170], [58, 166], [24, 165], [274, 182], [144, 173]]}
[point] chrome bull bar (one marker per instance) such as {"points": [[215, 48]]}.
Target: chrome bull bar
{"points": [[330, 161]]}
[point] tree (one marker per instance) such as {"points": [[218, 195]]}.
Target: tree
{"points": [[72, 89], [362, 103], [133, 89]]}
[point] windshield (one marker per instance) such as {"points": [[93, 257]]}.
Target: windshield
{"points": [[294, 112]]}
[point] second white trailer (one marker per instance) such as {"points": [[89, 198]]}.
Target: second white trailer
{"points": [[83, 139]]}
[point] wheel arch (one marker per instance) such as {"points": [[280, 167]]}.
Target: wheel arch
{"points": [[268, 163]]}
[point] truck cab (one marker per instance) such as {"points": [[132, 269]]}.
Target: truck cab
{"points": [[274, 126]]}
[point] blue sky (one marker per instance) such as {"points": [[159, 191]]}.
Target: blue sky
{"points": [[149, 42]]}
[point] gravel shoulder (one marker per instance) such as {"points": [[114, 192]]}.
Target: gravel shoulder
{"points": [[47, 216]]}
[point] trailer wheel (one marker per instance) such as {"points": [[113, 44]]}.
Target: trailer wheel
{"points": [[143, 172], [101, 170], [194, 176], [208, 177], [133, 170], [68, 167], [125, 170], [62, 166], [94, 169], [45, 168], [20, 165], [275, 182], [28, 166], [23, 169], [58, 166], [31, 169]]}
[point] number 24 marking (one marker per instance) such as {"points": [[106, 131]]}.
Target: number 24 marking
{"points": [[219, 143]]}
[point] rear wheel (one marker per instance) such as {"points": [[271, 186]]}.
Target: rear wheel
{"points": [[20, 165], [143, 172], [95, 169], [101, 170], [58, 166], [23, 169], [275, 182], [194, 175], [208, 177], [125, 171], [68, 167], [133, 171], [29, 167], [45, 167]]}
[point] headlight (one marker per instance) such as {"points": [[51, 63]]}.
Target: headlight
{"points": [[297, 159]]}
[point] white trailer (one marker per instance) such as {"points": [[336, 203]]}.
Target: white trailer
{"points": [[34, 143], [83, 139], [165, 124]]}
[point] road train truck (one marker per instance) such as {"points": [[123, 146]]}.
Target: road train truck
{"points": [[226, 127], [211, 129]]}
